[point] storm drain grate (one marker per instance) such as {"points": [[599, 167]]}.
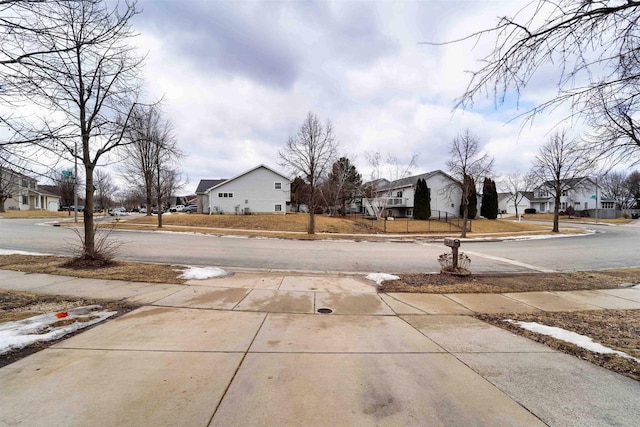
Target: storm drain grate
{"points": [[325, 311]]}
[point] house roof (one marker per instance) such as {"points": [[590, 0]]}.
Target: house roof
{"points": [[224, 181], [52, 190], [413, 180], [206, 184], [13, 172], [570, 182]]}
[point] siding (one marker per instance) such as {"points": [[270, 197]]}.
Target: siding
{"points": [[254, 190], [443, 195]]}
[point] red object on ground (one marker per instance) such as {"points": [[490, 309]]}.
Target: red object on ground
{"points": [[62, 314]]}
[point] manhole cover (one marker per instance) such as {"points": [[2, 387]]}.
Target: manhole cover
{"points": [[325, 311]]}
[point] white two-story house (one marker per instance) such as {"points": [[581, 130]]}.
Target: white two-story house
{"points": [[258, 190], [583, 194]]}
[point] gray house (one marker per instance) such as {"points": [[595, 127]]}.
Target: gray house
{"points": [[258, 190], [395, 199]]}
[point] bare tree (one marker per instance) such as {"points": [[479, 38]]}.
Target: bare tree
{"points": [[104, 187], [151, 140], [557, 166], [467, 164], [310, 153], [632, 185], [64, 180], [613, 186], [517, 183], [593, 45], [385, 174], [72, 62]]}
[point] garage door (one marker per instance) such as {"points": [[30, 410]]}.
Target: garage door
{"points": [[53, 206]]}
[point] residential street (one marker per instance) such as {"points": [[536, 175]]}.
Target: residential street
{"points": [[609, 247]]}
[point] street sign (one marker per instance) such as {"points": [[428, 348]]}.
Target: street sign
{"points": [[67, 174]]}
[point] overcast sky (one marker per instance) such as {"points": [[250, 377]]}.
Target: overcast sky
{"points": [[239, 77]]}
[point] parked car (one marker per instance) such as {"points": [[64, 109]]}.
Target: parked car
{"points": [[190, 209], [117, 211], [143, 210]]}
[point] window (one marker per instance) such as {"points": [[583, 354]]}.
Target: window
{"points": [[409, 212], [224, 195], [563, 206], [399, 194], [25, 201], [607, 205], [564, 193], [278, 186], [278, 208], [219, 194], [586, 205]]}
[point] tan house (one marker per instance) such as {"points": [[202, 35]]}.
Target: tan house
{"points": [[21, 192]]}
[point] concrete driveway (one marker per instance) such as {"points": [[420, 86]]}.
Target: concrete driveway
{"points": [[252, 349]]}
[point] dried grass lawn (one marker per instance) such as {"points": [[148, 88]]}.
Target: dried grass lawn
{"points": [[119, 270], [35, 214], [16, 305], [444, 283], [266, 225], [616, 329], [564, 218]]}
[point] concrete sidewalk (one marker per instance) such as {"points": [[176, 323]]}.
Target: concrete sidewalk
{"points": [[252, 349]]}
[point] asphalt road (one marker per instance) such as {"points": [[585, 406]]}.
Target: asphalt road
{"points": [[609, 247]]}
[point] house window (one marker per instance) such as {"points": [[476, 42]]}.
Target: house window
{"points": [[25, 200], [564, 193], [409, 212], [399, 194], [586, 205], [220, 194], [225, 195], [278, 208], [563, 206], [278, 186], [607, 205]]}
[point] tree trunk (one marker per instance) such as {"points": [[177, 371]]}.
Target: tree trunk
{"points": [[556, 213], [148, 183], [89, 235], [465, 215], [312, 213]]}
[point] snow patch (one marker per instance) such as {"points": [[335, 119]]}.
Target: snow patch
{"points": [[21, 333], [202, 273], [570, 337], [14, 252], [381, 277]]}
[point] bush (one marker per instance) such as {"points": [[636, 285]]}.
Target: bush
{"points": [[570, 211], [625, 215], [530, 211]]}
